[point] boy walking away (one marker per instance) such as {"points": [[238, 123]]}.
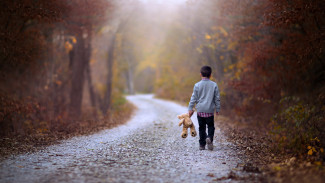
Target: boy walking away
{"points": [[207, 99]]}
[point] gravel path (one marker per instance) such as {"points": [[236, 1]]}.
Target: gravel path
{"points": [[147, 149]]}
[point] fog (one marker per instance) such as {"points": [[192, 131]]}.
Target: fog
{"points": [[150, 39], [66, 66]]}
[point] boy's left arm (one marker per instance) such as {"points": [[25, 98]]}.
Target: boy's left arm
{"points": [[217, 99]]}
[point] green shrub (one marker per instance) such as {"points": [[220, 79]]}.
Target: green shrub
{"points": [[298, 128]]}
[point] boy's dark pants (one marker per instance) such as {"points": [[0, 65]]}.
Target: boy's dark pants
{"points": [[202, 129]]}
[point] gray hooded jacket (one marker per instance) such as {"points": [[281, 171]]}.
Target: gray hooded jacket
{"points": [[206, 96]]}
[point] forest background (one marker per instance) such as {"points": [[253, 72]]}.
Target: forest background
{"points": [[66, 65]]}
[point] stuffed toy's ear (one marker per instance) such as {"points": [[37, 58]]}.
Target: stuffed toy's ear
{"points": [[179, 116]]}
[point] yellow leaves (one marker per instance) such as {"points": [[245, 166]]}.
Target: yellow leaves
{"points": [[223, 31], [147, 63], [277, 168], [314, 148], [68, 46], [207, 36], [318, 163], [104, 29], [222, 93], [237, 75], [231, 67], [219, 41], [311, 150], [74, 40], [315, 139], [232, 45], [211, 46]]}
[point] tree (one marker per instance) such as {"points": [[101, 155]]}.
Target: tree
{"points": [[82, 21]]}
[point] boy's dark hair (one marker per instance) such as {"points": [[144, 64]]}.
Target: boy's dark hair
{"points": [[206, 71]]}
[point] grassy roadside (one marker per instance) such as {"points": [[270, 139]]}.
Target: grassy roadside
{"points": [[14, 145], [255, 147]]}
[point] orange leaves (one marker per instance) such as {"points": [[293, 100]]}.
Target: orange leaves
{"points": [[311, 150], [68, 46], [58, 82], [207, 36]]}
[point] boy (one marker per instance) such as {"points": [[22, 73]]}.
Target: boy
{"points": [[207, 99]]}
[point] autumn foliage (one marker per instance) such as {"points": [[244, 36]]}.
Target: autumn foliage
{"points": [[267, 57], [281, 68], [70, 60], [45, 55]]}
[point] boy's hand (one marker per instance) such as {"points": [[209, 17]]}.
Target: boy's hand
{"points": [[190, 113]]}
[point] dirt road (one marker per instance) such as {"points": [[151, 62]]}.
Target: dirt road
{"points": [[147, 149]]}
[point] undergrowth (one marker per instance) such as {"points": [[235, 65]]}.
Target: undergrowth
{"points": [[299, 128]]}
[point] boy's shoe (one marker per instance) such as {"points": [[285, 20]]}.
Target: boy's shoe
{"points": [[209, 143], [202, 147]]}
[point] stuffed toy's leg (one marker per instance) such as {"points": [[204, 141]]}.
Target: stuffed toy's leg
{"points": [[192, 130], [184, 132]]}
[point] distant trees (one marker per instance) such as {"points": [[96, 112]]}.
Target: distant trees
{"points": [[45, 55]]}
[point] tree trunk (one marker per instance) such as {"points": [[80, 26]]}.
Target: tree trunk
{"points": [[130, 82], [88, 75], [129, 77], [77, 77], [52, 94], [110, 60]]}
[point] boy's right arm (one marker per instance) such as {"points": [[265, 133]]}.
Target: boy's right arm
{"points": [[193, 100]]}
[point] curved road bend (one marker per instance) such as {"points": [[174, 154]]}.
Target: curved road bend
{"points": [[147, 149]]}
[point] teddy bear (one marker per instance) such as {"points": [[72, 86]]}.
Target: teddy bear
{"points": [[187, 123]]}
